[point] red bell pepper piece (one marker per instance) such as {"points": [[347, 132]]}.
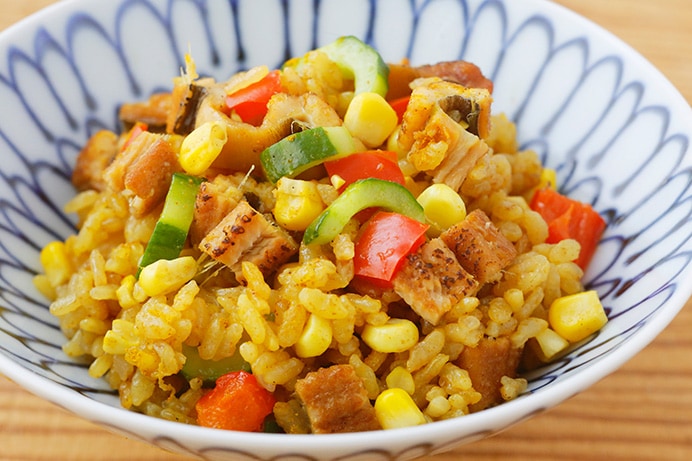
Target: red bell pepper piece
{"points": [[137, 129], [568, 218], [237, 402], [399, 105], [383, 243], [250, 103], [378, 164]]}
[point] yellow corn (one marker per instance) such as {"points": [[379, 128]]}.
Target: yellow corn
{"points": [[55, 263], [165, 276], [316, 337], [401, 378], [201, 147], [396, 335], [576, 316], [370, 118], [298, 203], [443, 207], [394, 408], [549, 344], [548, 179]]}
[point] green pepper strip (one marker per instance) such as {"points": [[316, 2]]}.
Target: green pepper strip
{"points": [[366, 193], [171, 229]]}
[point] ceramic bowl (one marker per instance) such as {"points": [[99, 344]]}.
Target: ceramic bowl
{"points": [[615, 130]]}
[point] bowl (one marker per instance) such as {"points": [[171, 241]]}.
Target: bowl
{"points": [[612, 126]]}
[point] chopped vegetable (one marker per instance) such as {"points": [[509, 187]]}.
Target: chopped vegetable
{"points": [[400, 105], [396, 335], [166, 276], [237, 403], [360, 62], [250, 103], [442, 205], [170, 232], [383, 243], [210, 370], [576, 316], [362, 165], [370, 118], [366, 193], [301, 151], [568, 218], [298, 203], [137, 129], [394, 409], [201, 147], [316, 337]]}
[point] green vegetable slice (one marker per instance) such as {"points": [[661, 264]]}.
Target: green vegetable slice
{"points": [[210, 370], [171, 229], [300, 151], [360, 62], [366, 193]]}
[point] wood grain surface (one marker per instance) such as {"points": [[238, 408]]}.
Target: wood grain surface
{"points": [[641, 412]]}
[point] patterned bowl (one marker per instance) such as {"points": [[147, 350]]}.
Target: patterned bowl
{"points": [[615, 130]]}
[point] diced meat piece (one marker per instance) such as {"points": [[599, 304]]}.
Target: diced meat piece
{"points": [[145, 168], [149, 176], [246, 235], [432, 281], [486, 364], [480, 247], [153, 112], [93, 160], [461, 72], [336, 401], [214, 201]]}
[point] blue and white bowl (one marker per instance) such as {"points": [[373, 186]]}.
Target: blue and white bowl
{"points": [[615, 130]]}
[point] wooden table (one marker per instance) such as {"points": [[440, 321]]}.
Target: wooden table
{"points": [[641, 412]]}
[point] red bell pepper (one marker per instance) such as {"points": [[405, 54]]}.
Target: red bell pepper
{"points": [[250, 103], [383, 243], [399, 105], [237, 402], [568, 218], [137, 129], [378, 164]]}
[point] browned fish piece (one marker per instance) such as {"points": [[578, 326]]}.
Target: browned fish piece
{"points": [[245, 234], [93, 160], [461, 72], [336, 401], [486, 364], [480, 247], [214, 201], [154, 112], [432, 281]]}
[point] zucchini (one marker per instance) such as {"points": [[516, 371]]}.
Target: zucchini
{"points": [[362, 194], [300, 151], [170, 232]]}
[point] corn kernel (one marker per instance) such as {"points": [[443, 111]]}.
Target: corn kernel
{"points": [[549, 344], [298, 203], [396, 335], [401, 378], [165, 276], [443, 207], [370, 118], [394, 408], [201, 147], [574, 317], [316, 337], [55, 262]]}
